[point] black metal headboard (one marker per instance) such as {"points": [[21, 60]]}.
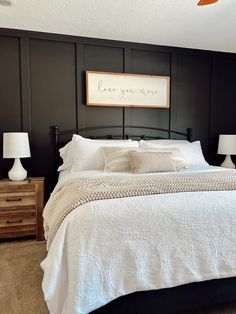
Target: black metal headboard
{"points": [[57, 134]]}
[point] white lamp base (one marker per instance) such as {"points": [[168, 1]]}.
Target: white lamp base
{"points": [[228, 163], [17, 172]]}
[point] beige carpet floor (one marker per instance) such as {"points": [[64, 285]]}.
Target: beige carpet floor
{"points": [[21, 277]]}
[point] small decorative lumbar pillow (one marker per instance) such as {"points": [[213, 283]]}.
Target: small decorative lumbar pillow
{"points": [[143, 162], [117, 159], [177, 155]]}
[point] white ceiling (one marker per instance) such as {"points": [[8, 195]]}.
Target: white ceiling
{"points": [[178, 23]]}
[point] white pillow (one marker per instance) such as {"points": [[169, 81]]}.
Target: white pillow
{"points": [[165, 141], [66, 152], [67, 157], [192, 152], [87, 154]]}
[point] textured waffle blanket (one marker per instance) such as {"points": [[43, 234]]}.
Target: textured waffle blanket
{"points": [[77, 192]]}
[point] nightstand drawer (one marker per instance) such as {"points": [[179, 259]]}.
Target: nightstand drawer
{"points": [[12, 187], [15, 201], [19, 223], [19, 218]]}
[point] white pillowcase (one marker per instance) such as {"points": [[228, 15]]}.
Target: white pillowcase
{"points": [[66, 152], [165, 141], [67, 157], [88, 155], [192, 152]]}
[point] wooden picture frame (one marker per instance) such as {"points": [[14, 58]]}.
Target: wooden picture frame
{"points": [[127, 90]]}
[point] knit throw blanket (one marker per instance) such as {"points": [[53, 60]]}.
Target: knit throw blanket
{"points": [[68, 196]]}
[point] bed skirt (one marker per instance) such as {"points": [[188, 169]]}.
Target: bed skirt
{"points": [[185, 298]]}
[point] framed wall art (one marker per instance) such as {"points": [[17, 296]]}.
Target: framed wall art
{"points": [[127, 90]]}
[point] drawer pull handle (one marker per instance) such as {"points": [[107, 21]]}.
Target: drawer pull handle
{"points": [[14, 199], [14, 221]]}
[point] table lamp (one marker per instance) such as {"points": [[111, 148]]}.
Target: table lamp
{"points": [[227, 146], [16, 145]]}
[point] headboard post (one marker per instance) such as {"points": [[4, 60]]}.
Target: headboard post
{"points": [[189, 134], [169, 133], [55, 131]]}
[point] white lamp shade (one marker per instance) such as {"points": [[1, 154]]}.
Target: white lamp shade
{"points": [[227, 144], [16, 145]]}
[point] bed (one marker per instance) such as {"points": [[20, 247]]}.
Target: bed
{"points": [[152, 251]]}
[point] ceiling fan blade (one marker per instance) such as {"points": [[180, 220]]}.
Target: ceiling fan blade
{"points": [[206, 2]]}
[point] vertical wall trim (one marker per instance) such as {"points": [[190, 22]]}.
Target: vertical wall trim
{"points": [[209, 146], [171, 99], [25, 84], [76, 84], [173, 90], [20, 80], [80, 120]]}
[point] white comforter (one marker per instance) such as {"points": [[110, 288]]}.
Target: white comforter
{"points": [[109, 248]]}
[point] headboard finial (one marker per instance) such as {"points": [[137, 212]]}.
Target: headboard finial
{"points": [[189, 134], [55, 129], [55, 132]]}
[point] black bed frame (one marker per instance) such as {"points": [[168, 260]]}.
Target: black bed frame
{"points": [[181, 299], [57, 135], [56, 132]]}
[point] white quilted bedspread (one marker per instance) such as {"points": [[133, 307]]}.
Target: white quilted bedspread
{"points": [[109, 248]]}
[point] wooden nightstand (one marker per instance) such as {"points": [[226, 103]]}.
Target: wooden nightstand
{"points": [[21, 208]]}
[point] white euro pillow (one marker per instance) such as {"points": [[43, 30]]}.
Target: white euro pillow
{"points": [[88, 155], [66, 152], [192, 152], [67, 157], [165, 141]]}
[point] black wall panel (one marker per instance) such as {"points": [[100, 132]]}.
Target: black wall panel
{"points": [[53, 96], [10, 95], [149, 63], [42, 83], [190, 108], [223, 119], [105, 59]]}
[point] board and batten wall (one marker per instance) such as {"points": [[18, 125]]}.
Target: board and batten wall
{"points": [[42, 83]]}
